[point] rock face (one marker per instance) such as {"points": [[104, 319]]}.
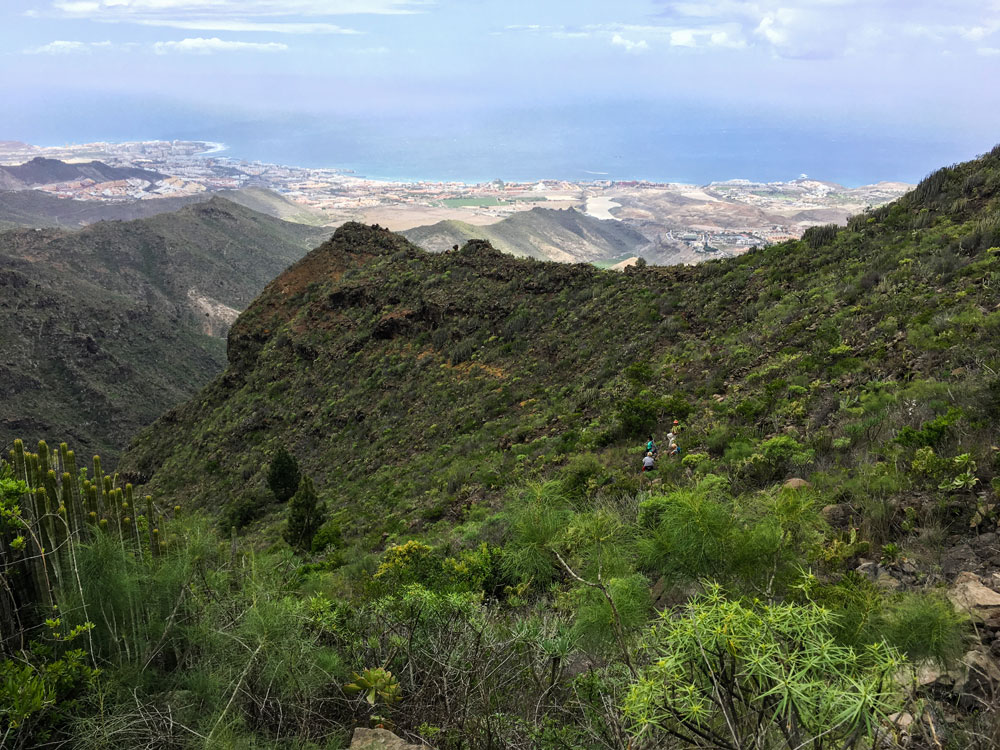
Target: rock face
{"points": [[380, 739], [979, 680], [838, 516], [969, 595]]}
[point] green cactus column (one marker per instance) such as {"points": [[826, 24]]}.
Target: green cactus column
{"points": [[43, 458], [20, 465], [49, 536], [151, 530], [134, 511]]}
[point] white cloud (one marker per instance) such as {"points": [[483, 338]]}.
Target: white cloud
{"points": [[78, 7], [123, 10], [255, 26], [724, 39], [683, 38], [200, 46], [61, 47], [988, 51], [628, 45], [833, 28]]}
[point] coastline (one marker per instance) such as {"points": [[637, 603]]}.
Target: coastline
{"points": [[213, 148]]}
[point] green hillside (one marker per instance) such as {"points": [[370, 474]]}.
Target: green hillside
{"points": [[109, 326], [409, 381], [541, 233], [413, 502]]}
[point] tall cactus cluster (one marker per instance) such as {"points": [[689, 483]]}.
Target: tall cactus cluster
{"points": [[61, 508]]}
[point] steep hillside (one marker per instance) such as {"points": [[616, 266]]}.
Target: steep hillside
{"points": [[467, 551], [542, 233], [412, 384], [274, 204], [41, 171], [109, 326], [34, 208]]}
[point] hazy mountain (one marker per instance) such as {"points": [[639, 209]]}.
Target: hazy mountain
{"points": [[110, 325], [542, 233], [34, 208], [42, 171]]}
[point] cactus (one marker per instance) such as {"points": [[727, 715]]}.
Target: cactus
{"points": [[59, 510], [76, 487], [32, 470], [18, 461], [134, 526], [43, 457], [72, 515], [150, 524]]}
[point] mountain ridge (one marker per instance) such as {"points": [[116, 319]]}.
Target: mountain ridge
{"points": [[564, 235], [498, 357], [113, 323], [44, 171]]}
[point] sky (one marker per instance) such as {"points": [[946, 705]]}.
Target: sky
{"points": [[925, 70]]}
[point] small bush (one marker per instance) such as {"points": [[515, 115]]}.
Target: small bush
{"points": [[638, 415], [925, 627], [582, 475], [246, 509], [283, 475], [305, 516]]}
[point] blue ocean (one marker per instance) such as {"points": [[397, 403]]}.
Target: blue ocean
{"points": [[610, 140]]}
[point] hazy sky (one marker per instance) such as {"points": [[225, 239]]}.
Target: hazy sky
{"points": [[929, 66]]}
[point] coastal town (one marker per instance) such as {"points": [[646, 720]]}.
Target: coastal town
{"points": [[721, 218]]}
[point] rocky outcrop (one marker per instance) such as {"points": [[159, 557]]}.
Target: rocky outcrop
{"points": [[795, 483], [380, 739], [982, 603]]}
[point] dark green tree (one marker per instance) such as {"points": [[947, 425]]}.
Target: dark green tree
{"points": [[283, 476], [305, 515]]}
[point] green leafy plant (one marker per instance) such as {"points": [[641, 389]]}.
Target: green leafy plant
{"points": [[728, 674]]}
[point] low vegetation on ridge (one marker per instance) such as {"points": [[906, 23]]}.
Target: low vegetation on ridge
{"points": [[413, 500]]}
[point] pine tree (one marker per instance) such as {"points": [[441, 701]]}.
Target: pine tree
{"points": [[283, 476], [305, 515]]}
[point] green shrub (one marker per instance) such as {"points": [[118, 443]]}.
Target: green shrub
{"points": [[582, 475], [728, 674], [925, 627], [638, 415], [700, 463], [246, 509], [676, 406], [639, 375], [594, 623], [774, 459], [931, 433], [536, 520], [410, 562], [305, 515], [327, 535], [283, 475]]}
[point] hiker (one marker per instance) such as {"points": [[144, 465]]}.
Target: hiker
{"points": [[672, 449], [651, 447], [648, 463]]}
